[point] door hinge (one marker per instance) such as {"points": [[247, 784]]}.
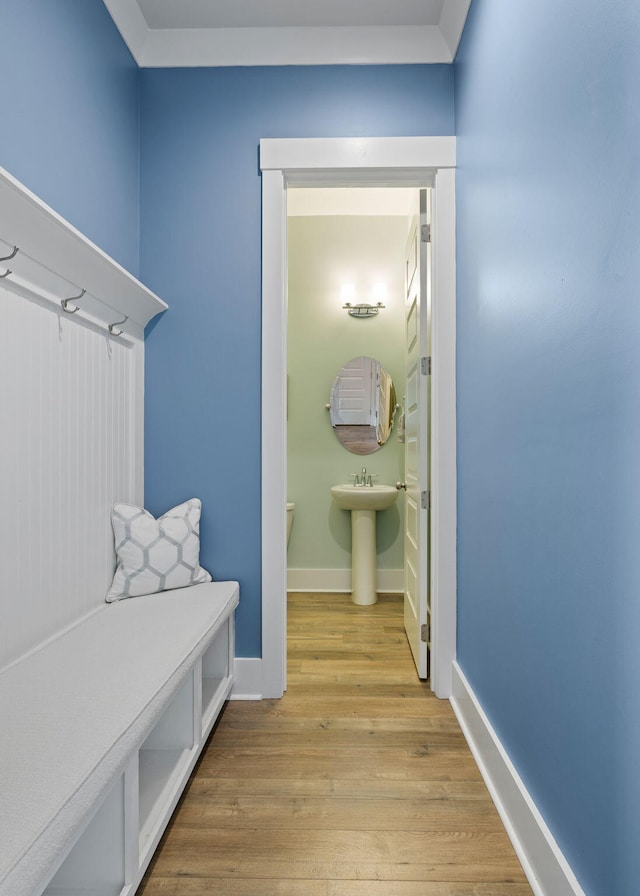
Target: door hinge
{"points": [[424, 633], [425, 366], [425, 500], [425, 233]]}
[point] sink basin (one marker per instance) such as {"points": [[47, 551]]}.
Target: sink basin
{"points": [[364, 497]]}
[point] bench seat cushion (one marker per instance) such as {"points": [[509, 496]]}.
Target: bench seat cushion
{"points": [[74, 711]]}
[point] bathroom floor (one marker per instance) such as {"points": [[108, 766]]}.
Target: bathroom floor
{"points": [[358, 782], [358, 439]]}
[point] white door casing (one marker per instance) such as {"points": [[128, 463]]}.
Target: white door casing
{"points": [[331, 162]]}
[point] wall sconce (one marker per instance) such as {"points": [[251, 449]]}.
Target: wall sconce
{"points": [[362, 309]]}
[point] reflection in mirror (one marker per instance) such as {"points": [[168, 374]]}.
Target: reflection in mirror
{"points": [[363, 405]]}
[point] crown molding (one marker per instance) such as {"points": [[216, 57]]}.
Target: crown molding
{"points": [[366, 45], [130, 23], [454, 15], [294, 46]]}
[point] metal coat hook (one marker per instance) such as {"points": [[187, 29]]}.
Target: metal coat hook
{"points": [[65, 302], [114, 328], [6, 274], [13, 255]]}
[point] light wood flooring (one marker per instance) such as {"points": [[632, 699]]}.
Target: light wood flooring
{"points": [[358, 439], [358, 782]]}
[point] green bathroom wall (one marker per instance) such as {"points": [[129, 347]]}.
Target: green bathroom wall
{"points": [[324, 253]]}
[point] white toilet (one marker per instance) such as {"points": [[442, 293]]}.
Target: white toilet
{"points": [[290, 509]]}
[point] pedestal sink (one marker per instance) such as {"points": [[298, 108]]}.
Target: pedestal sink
{"points": [[364, 501]]}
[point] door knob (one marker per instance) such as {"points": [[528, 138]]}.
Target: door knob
{"points": [[400, 485]]}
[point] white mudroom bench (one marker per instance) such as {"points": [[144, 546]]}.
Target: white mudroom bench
{"points": [[99, 731]]}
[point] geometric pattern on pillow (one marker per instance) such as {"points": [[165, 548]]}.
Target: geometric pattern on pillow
{"points": [[156, 554]]}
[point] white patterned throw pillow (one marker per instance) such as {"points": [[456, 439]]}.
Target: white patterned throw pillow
{"points": [[156, 554]]}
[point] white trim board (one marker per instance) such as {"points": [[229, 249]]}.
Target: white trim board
{"points": [[338, 581], [52, 255], [409, 161], [314, 161], [546, 868], [247, 679]]}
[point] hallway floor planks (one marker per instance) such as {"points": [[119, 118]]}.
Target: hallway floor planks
{"points": [[358, 782]]}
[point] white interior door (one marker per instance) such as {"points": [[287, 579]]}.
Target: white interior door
{"points": [[417, 598]]}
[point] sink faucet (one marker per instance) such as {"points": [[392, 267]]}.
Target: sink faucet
{"points": [[362, 478]]}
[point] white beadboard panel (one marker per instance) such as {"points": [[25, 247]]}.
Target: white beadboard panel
{"points": [[71, 447]]}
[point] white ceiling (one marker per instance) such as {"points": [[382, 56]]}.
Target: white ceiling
{"points": [[162, 33], [370, 201]]}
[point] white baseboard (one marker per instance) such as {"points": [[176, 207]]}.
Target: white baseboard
{"points": [[247, 684], [390, 581], [547, 870]]}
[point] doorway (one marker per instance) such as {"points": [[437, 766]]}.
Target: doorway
{"points": [[358, 321], [344, 247], [376, 162]]}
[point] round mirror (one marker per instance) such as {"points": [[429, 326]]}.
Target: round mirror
{"points": [[363, 405]]}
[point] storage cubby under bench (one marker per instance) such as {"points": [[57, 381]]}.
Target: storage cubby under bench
{"points": [[99, 731]]}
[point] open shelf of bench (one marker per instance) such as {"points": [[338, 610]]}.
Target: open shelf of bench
{"points": [[163, 764], [96, 864], [216, 672]]}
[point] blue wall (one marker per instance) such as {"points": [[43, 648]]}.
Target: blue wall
{"points": [[200, 224], [548, 134], [548, 322], [69, 119]]}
